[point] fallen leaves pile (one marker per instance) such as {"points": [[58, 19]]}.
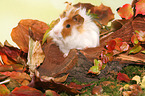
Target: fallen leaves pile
{"points": [[38, 68]]}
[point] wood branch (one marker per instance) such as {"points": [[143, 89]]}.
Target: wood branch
{"points": [[130, 58], [78, 62]]}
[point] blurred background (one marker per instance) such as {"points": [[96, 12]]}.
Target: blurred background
{"points": [[12, 11]]}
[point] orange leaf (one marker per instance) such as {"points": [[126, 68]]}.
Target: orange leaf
{"points": [[12, 55], [6, 60], [123, 77], [4, 90], [18, 76], [140, 7], [26, 91], [125, 11], [20, 34]]}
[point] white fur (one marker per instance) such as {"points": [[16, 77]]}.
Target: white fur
{"points": [[88, 38]]}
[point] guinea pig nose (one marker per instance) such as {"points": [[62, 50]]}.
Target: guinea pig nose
{"points": [[56, 32]]}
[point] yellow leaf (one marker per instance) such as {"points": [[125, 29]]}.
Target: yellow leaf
{"points": [[136, 78]]}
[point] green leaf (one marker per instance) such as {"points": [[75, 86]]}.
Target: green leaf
{"points": [[135, 49], [46, 35], [143, 51], [134, 39], [94, 70]]}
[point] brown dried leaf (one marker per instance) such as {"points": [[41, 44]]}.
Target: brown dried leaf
{"points": [[54, 62], [117, 24], [97, 90], [35, 55], [58, 87], [76, 86], [20, 34], [104, 13], [18, 76]]}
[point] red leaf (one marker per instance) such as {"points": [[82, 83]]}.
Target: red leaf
{"points": [[76, 86], [12, 55], [26, 91], [106, 57], [140, 7], [123, 77], [126, 11], [111, 45], [118, 43]]}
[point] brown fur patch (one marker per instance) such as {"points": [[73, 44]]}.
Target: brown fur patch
{"points": [[75, 20]]}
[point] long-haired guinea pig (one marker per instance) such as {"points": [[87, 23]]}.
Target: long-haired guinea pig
{"points": [[75, 30]]}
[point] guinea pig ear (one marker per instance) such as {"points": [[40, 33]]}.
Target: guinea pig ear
{"points": [[78, 18]]}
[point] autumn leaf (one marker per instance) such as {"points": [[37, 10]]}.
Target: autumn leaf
{"points": [[26, 91], [118, 43], [51, 93], [135, 49], [97, 90], [134, 39], [96, 69], [20, 34], [12, 55], [35, 55], [4, 91], [123, 77], [77, 86], [111, 45], [18, 76], [143, 51], [140, 7], [58, 87], [140, 35], [143, 82], [104, 13], [137, 79], [126, 11], [117, 24], [106, 57], [13, 67], [124, 47], [56, 79], [46, 35]]}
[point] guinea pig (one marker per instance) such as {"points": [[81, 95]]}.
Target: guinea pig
{"points": [[75, 30]]}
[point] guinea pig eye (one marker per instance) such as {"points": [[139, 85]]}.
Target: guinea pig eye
{"points": [[68, 26]]}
